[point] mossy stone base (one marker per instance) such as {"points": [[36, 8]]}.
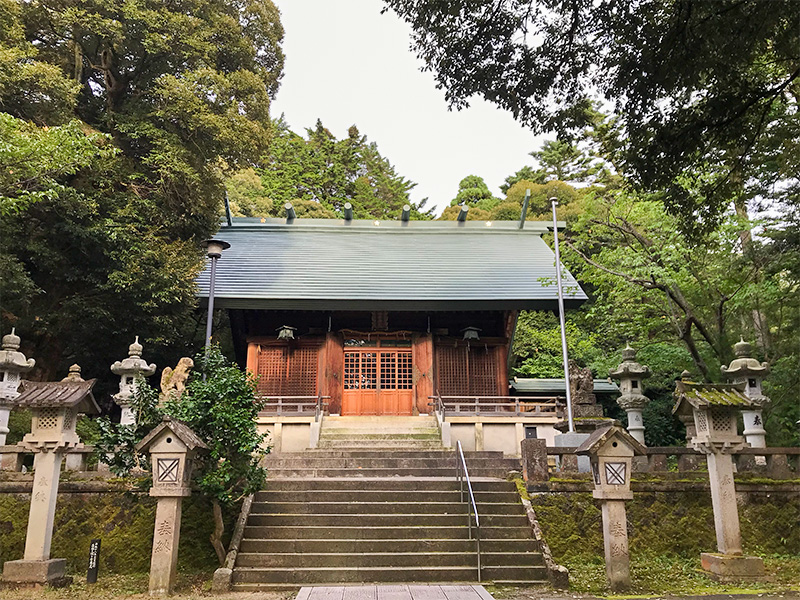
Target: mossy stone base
{"points": [[728, 568]]}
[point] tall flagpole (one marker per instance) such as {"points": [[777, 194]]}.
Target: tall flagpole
{"points": [[565, 357]]}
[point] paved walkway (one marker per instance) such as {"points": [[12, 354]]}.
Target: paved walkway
{"points": [[395, 592]]}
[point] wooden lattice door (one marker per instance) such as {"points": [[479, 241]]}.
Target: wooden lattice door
{"points": [[377, 381]]}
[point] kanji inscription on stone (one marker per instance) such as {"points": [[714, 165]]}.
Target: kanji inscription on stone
{"points": [[168, 470], [162, 546], [618, 529], [619, 550], [615, 473], [164, 528]]}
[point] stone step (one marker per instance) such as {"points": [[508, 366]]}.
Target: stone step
{"points": [[388, 559], [321, 507], [352, 546], [382, 574], [384, 453], [455, 532], [370, 495], [388, 444], [304, 473], [413, 521], [449, 483]]}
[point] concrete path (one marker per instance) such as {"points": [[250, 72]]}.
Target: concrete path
{"points": [[395, 592]]}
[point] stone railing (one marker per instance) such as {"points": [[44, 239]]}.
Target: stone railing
{"points": [[540, 461], [13, 458]]}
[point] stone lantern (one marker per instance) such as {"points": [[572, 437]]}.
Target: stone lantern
{"points": [[748, 371], [631, 375], [12, 364], [128, 370], [714, 409], [55, 406], [611, 451], [172, 446]]}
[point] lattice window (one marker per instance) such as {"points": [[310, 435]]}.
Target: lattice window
{"points": [[369, 371], [68, 415], [702, 425], [48, 418], [285, 371], [721, 420], [466, 371], [360, 370], [388, 371], [404, 371], [352, 369]]}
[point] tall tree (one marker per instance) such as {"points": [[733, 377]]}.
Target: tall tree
{"points": [[321, 174], [167, 97], [698, 86]]}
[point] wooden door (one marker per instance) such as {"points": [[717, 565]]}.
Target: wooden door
{"points": [[377, 381]]}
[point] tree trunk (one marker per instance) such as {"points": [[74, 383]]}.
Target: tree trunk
{"points": [[219, 529]]}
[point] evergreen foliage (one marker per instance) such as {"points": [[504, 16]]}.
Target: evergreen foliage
{"points": [[318, 175]]}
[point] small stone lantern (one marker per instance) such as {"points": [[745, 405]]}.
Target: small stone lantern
{"points": [[748, 371], [12, 364], [611, 450], [128, 370], [55, 406], [714, 408], [172, 446], [631, 376]]}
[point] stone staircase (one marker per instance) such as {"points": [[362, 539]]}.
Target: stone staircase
{"points": [[385, 508]]}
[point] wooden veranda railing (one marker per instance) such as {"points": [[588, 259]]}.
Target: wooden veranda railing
{"points": [[497, 405], [293, 406]]}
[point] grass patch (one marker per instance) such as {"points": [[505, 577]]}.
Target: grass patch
{"points": [[661, 575], [114, 587]]}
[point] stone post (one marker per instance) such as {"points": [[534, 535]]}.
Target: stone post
{"points": [[128, 370], [172, 447], [534, 459], [723, 500], [164, 558], [55, 406], [611, 451], [12, 364], [631, 375]]}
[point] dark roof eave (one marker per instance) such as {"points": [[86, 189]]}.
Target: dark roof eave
{"points": [[392, 305]]}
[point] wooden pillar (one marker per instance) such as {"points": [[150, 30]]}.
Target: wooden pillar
{"points": [[331, 375], [422, 371]]}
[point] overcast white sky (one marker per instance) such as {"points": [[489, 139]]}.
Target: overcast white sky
{"points": [[348, 64]]}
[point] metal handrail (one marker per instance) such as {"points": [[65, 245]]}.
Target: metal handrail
{"points": [[472, 508]]}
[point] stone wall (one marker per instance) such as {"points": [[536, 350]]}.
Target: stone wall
{"points": [[675, 523], [121, 517]]}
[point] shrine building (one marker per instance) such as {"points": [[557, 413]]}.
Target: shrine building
{"points": [[385, 317]]}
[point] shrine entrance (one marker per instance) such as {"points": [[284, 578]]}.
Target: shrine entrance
{"points": [[378, 380]]}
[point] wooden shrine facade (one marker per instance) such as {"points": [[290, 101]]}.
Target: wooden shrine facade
{"points": [[389, 372], [382, 314]]}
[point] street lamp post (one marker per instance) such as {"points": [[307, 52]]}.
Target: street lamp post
{"points": [[214, 250]]}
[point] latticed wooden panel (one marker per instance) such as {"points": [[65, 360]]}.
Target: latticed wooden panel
{"points": [[360, 370], [388, 371], [482, 372], [287, 372], [451, 371], [271, 370], [464, 371], [404, 371]]}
